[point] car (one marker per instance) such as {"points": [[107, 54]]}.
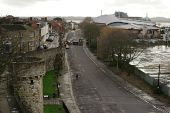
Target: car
{"points": [[67, 46], [75, 42], [40, 47], [45, 46], [50, 39]]}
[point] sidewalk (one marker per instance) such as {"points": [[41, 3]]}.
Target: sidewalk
{"points": [[66, 91], [137, 92]]}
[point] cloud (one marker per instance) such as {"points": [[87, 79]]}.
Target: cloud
{"points": [[121, 3], [84, 7], [21, 3]]}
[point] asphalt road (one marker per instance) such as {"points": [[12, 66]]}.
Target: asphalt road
{"points": [[95, 92]]}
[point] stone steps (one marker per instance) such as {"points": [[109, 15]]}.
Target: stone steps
{"points": [[52, 101]]}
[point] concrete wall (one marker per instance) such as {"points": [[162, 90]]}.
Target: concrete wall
{"points": [[144, 76], [165, 88]]}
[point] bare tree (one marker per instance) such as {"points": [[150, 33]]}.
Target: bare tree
{"points": [[118, 45], [91, 32]]}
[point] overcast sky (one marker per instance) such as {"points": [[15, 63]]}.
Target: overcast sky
{"points": [[154, 8]]}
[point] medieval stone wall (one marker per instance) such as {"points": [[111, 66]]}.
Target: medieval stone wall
{"points": [[27, 74], [28, 88], [49, 55]]}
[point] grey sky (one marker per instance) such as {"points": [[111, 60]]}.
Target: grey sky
{"points": [[20, 3], [154, 8]]}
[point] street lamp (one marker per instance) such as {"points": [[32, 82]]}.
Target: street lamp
{"points": [[158, 85], [117, 64]]}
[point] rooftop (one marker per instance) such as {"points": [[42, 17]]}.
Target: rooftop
{"points": [[107, 19], [13, 27]]}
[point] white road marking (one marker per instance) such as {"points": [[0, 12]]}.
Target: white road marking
{"points": [[102, 70]]}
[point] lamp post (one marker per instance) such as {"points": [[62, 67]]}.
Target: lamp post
{"points": [[158, 85], [20, 39], [117, 63]]}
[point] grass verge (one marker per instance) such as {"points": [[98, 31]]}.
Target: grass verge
{"points": [[49, 83], [53, 109]]}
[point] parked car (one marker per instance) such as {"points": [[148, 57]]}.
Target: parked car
{"points": [[50, 39], [75, 42], [67, 46], [45, 46], [41, 47]]}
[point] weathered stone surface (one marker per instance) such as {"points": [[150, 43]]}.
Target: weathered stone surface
{"points": [[27, 74]]}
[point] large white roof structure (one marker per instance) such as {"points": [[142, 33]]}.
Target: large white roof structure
{"points": [[105, 19], [123, 23]]}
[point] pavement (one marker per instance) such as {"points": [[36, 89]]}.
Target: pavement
{"points": [[66, 92]]}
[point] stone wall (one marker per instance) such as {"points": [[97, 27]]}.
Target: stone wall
{"points": [[27, 77], [49, 55]]}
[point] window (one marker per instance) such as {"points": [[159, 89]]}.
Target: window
{"points": [[32, 82]]}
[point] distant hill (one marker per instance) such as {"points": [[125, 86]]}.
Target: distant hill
{"points": [[74, 17], [160, 19]]}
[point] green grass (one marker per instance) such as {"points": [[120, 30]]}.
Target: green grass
{"points": [[49, 83], [53, 109]]}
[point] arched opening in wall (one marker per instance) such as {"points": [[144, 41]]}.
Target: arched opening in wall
{"points": [[32, 82]]}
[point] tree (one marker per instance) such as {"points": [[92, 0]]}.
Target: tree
{"points": [[91, 32], [117, 45], [58, 19], [86, 21]]}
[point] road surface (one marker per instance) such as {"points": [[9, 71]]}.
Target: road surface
{"points": [[95, 92]]}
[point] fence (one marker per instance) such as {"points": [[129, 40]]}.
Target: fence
{"points": [[164, 87]]}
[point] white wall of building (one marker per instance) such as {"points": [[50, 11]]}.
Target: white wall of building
{"points": [[45, 32], [45, 29]]}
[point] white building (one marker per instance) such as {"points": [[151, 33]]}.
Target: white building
{"points": [[147, 29]]}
